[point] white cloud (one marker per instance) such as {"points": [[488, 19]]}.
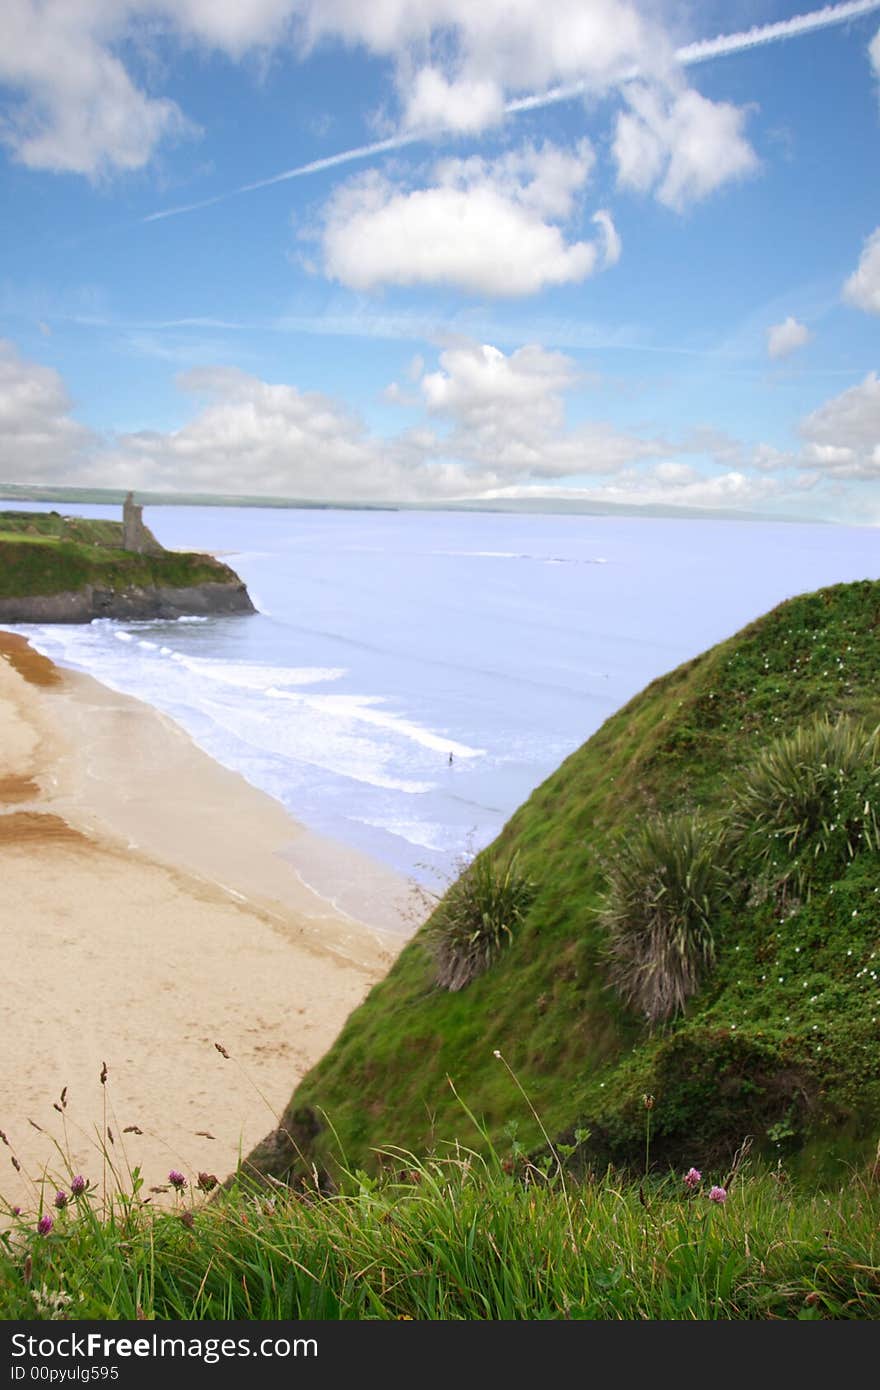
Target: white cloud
{"points": [[39, 437], [786, 337], [470, 104], [457, 59], [768, 459], [863, 287], [667, 485], [73, 104], [679, 144], [75, 107], [612, 247], [484, 227], [491, 424], [488, 419], [253, 437], [235, 27], [842, 437], [507, 413], [874, 52]]}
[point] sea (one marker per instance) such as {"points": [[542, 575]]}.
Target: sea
{"points": [[411, 676]]}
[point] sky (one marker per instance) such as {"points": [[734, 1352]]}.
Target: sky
{"points": [[624, 251]]}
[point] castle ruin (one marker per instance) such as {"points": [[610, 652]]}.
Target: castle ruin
{"points": [[135, 535]]}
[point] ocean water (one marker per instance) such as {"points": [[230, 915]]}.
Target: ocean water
{"points": [[386, 641]]}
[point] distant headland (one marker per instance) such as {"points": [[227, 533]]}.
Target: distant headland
{"points": [[70, 569]]}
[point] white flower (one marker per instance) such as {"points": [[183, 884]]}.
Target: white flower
{"points": [[51, 1302]]}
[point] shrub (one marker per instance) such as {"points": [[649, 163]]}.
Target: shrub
{"points": [[476, 920], [666, 884], [811, 795]]}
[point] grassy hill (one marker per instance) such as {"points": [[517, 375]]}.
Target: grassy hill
{"points": [[780, 1040], [45, 553]]}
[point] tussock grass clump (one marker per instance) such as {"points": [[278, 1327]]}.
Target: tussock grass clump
{"points": [[666, 884], [476, 920], [811, 795]]}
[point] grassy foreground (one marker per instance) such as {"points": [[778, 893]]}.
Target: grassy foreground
{"points": [[457, 1238]]}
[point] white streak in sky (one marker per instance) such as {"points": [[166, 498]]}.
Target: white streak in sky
{"points": [[772, 33], [699, 52]]}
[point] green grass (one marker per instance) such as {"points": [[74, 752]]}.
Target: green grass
{"points": [[458, 1237], [43, 565], [781, 1039], [54, 526]]}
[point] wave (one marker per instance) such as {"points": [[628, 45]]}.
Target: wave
{"points": [[255, 676], [362, 708], [522, 555], [418, 833]]}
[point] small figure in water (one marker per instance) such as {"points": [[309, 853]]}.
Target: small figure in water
{"points": [[450, 760]]}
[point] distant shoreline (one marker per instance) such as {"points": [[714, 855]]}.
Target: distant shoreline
{"points": [[533, 506]]}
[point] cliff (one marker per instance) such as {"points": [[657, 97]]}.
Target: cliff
{"points": [[743, 790], [56, 569]]}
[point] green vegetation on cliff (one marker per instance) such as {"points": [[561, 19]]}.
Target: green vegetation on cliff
{"points": [[779, 1039], [44, 553]]}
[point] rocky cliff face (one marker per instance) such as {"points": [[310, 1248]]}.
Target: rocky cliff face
{"points": [[131, 603]]}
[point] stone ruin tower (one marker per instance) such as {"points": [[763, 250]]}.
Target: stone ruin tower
{"points": [[135, 535]]}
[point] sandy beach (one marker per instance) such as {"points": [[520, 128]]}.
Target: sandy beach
{"points": [[156, 905]]}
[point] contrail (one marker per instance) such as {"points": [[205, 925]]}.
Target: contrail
{"points": [[699, 52], [315, 167], [772, 33]]}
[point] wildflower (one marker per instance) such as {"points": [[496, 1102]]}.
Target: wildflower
{"points": [[207, 1182], [61, 1200], [78, 1185], [187, 1219], [177, 1180], [648, 1102], [51, 1303], [497, 1054], [692, 1178], [44, 1225], [16, 1211], [719, 1195]]}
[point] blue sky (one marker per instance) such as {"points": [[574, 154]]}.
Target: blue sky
{"points": [[622, 250]]}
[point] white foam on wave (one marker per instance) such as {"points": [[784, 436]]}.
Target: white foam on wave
{"points": [[254, 676], [363, 709], [284, 746], [482, 554], [123, 636], [414, 832]]}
